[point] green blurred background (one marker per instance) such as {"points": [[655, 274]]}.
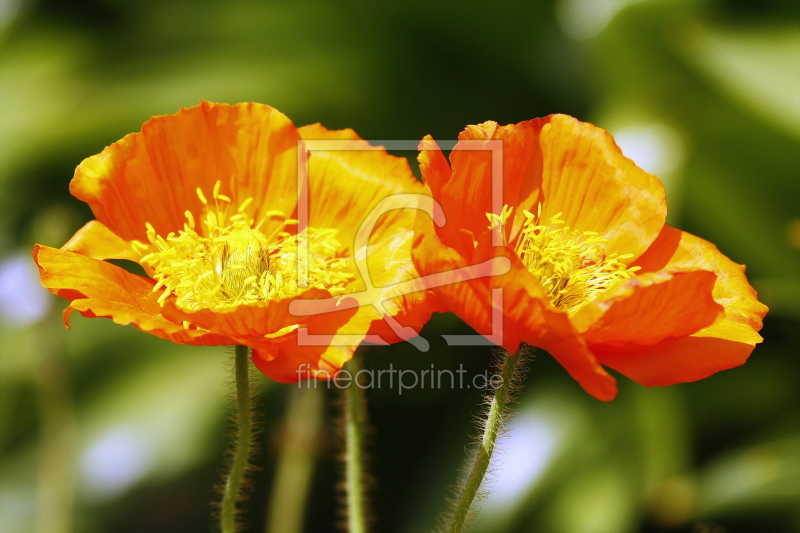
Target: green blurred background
{"points": [[106, 429]]}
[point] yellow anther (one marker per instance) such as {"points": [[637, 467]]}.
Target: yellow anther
{"points": [[230, 262], [217, 185], [163, 297], [244, 204], [201, 196], [573, 268]]}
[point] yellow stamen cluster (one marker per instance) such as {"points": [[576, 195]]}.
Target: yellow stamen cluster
{"points": [[229, 261], [572, 267]]}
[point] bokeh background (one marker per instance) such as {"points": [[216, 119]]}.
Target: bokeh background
{"points": [[106, 429]]}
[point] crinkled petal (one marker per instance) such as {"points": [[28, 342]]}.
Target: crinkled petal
{"points": [[677, 249], [286, 361], [650, 308], [726, 343], [571, 167], [324, 343], [251, 323], [350, 179], [95, 240], [347, 185], [99, 289], [437, 173], [721, 346], [530, 315], [596, 188], [466, 192], [526, 314], [396, 285], [152, 176]]}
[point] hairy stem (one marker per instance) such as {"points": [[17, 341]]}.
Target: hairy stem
{"points": [[244, 432], [354, 418], [494, 422]]}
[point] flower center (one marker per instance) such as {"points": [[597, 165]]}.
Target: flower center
{"points": [[572, 267], [231, 262]]}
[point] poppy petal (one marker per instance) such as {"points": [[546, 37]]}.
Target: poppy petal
{"points": [[348, 181], [247, 322], [596, 188], [721, 346], [286, 361], [680, 250], [726, 343], [472, 180], [649, 308], [95, 240], [530, 315], [397, 285], [346, 184], [436, 172], [152, 176], [527, 316], [99, 289], [467, 296]]}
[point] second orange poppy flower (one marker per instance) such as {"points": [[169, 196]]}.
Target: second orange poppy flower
{"points": [[596, 276]]}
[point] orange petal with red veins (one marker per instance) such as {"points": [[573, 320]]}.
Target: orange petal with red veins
{"points": [[521, 176], [99, 289], [95, 240], [152, 176], [325, 342], [649, 308], [596, 188], [464, 294], [397, 286]]}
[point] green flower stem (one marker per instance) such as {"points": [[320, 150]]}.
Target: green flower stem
{"points": [[354, 414], [244, 432], [57, 439], [494, 423], [305, 406]]}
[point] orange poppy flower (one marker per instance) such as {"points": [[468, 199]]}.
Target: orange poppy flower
{"points": [[206, 201], [596, 277]]}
